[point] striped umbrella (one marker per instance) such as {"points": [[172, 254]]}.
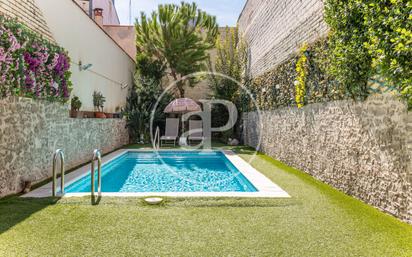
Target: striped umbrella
{"points": [[182, 105]]}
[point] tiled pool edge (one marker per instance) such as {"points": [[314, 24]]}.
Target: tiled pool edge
{"points": [[266, 188]]}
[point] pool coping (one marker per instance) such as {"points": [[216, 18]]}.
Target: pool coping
{"points": [[266, 188]]}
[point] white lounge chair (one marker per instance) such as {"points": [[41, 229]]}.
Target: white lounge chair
{"points": [[198, 135], [172, 131]]}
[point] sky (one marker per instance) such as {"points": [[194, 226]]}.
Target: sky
{"points": [[226, 11]]}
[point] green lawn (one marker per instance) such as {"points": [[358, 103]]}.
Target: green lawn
{"points": [[316, 221]]}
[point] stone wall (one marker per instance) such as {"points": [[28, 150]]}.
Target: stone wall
{"points": [[30, 131], [27, 12], [277, 28], [363, 149]]}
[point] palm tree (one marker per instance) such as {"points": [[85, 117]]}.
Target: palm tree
{"points": [[178, 36]]}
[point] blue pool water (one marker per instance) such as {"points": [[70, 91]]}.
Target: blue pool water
{"points": [[168, 171]]}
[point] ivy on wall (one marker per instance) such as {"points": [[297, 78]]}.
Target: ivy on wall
{"points": [[31, 66], [273, 89], [302, 79], [369, 41], [368, 38]]}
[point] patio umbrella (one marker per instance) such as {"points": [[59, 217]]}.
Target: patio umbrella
{"points": [[182, 105]]}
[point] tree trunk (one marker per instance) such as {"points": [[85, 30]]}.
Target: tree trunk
{"points": [[179, 85], [181, 90]]}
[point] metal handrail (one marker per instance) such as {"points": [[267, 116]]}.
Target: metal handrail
{"points": [[60, 153], [96, 156], [157, 138]]}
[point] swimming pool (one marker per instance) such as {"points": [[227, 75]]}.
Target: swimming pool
{"points": [[178, 173], [168, 171]]}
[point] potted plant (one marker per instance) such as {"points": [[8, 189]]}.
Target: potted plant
{"points": [[98, 103], [118, 113], [75, 104]]}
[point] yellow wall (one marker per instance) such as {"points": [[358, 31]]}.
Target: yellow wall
{"points": [[87, 42]]}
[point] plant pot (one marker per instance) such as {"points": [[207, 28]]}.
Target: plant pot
{"points": [[100, 115], [79, 115], [118, 115], [109, 115], [76, 114], [73, 113], [88, 115]]}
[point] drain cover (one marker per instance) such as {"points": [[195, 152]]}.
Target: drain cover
{"points": [[153, 200]]}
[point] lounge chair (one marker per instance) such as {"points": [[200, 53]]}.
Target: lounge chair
{"points": [[198, 134], [172, 131]]}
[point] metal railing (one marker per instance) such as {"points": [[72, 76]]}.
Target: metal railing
{"points": [[96, 156], [157, 138], [59, 153]]}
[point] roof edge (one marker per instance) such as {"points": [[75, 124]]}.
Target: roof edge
{"points": [[105, 32]]}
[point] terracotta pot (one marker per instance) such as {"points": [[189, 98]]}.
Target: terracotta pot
{"points": [[87, 115], [76, 114], [100, 115], [109, 115]]}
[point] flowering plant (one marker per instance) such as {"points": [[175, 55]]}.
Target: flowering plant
{"points": [[31, 66]]}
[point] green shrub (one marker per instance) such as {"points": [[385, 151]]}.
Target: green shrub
{"points": [[76, 104], [143, 96], [231, 60]]}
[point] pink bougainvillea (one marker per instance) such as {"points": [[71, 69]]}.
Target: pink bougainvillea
{"points": [[31, 66]]}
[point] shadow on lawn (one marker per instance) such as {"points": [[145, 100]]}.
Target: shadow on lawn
{"points": [[14, 210]]}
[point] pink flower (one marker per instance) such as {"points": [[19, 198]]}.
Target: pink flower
{"points": [[14, 43], [54, 62], [2, 55]]}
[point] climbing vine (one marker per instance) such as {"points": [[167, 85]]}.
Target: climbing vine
{"points": [[368, 50], [275, 88], [302, 72], [368, 38]]}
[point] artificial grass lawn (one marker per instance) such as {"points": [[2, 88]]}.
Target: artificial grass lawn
{"points": [[316, 221]]}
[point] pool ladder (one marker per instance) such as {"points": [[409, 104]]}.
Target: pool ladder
{"points": [[58, 153], [96, 156], [156, 141]]}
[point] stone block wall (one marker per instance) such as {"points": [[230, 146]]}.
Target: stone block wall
{"points": [[28, 13], [275, 29], [363, 149], [30, 131]]}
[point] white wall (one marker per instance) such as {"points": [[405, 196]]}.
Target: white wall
{"points": [[87, 42]]}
